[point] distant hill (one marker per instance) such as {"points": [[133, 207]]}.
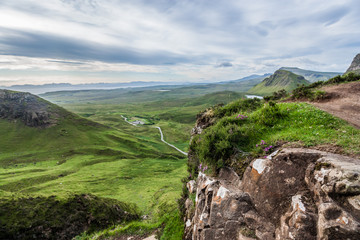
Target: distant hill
{"points": [[355, 65], [281, 79], [312, 76]]}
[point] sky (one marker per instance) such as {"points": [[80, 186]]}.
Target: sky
{"points": [[89, 41]]}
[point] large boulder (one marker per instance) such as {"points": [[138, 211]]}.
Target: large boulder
{"points": [[292, 194]]}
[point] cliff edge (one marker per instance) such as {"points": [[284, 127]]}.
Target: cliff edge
{"points": [[294, 194]]}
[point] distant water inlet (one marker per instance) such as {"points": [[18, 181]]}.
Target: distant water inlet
{"points": [[253, 96]]}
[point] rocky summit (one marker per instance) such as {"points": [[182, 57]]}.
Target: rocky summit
{"points": [[28, 108], [355, 65]]}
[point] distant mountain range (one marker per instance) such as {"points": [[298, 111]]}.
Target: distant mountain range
{"points": [[55, 87], [254, 79], [281, 79]]}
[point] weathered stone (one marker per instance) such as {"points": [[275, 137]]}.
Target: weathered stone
{"points": [[191, 186], [299, 222], [30, 109], [296, 194], [355, 65]]}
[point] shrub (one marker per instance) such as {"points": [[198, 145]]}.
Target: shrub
{"points": [[217, 144], [318, 95], [277, 95], [302, 92], [241, 105], [269, 114]]}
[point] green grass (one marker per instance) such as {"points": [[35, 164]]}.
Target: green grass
{"points": [[83, 159], [275, 124], [110, 158], [60, 218]]}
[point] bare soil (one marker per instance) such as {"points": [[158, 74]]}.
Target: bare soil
{"points": [[342, 101]]}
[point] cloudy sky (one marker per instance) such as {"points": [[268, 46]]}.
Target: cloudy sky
{"points": [[79, 41]]}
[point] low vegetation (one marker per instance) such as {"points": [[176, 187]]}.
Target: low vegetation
{"points": [[103, 155], [249, 133], [56, 218], [312, 91]]}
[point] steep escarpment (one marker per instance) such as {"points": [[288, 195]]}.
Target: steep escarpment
{"points": [[255, 174], [28, 108]]}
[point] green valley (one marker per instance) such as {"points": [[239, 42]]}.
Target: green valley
{"points": [[96, 152]]}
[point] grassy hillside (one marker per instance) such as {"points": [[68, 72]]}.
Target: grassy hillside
{"points": [[73, 157], [281, 79], [312, 76], [233, 141], [78, 156], [97, 152]]}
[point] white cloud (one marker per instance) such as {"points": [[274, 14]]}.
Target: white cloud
{"points": [[194, 36]]}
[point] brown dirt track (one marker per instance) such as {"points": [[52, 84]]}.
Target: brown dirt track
{"points": [[343, 101]]}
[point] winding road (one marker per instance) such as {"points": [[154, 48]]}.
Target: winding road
{"points": [[162, 139], [161, 134], [128, 121]]}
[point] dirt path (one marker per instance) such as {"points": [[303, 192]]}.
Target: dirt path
{"points": [[344, 102]]}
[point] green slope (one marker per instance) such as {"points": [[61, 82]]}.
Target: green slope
{"points": [[281, 79], [78, 156], [312, 76]]}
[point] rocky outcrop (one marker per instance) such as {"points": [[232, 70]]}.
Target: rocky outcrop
{"points": [[30, 109], [203, 120], [355, 65], [292, 194]]}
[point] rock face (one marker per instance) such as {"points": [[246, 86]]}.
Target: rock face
{"points": [[355, 65], [293, 194], [203, 120], [30, 109]]}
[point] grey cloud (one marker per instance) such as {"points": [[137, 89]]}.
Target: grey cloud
{"points": [[21, 43], [333, 15], [66, 62], [225, 64]]}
